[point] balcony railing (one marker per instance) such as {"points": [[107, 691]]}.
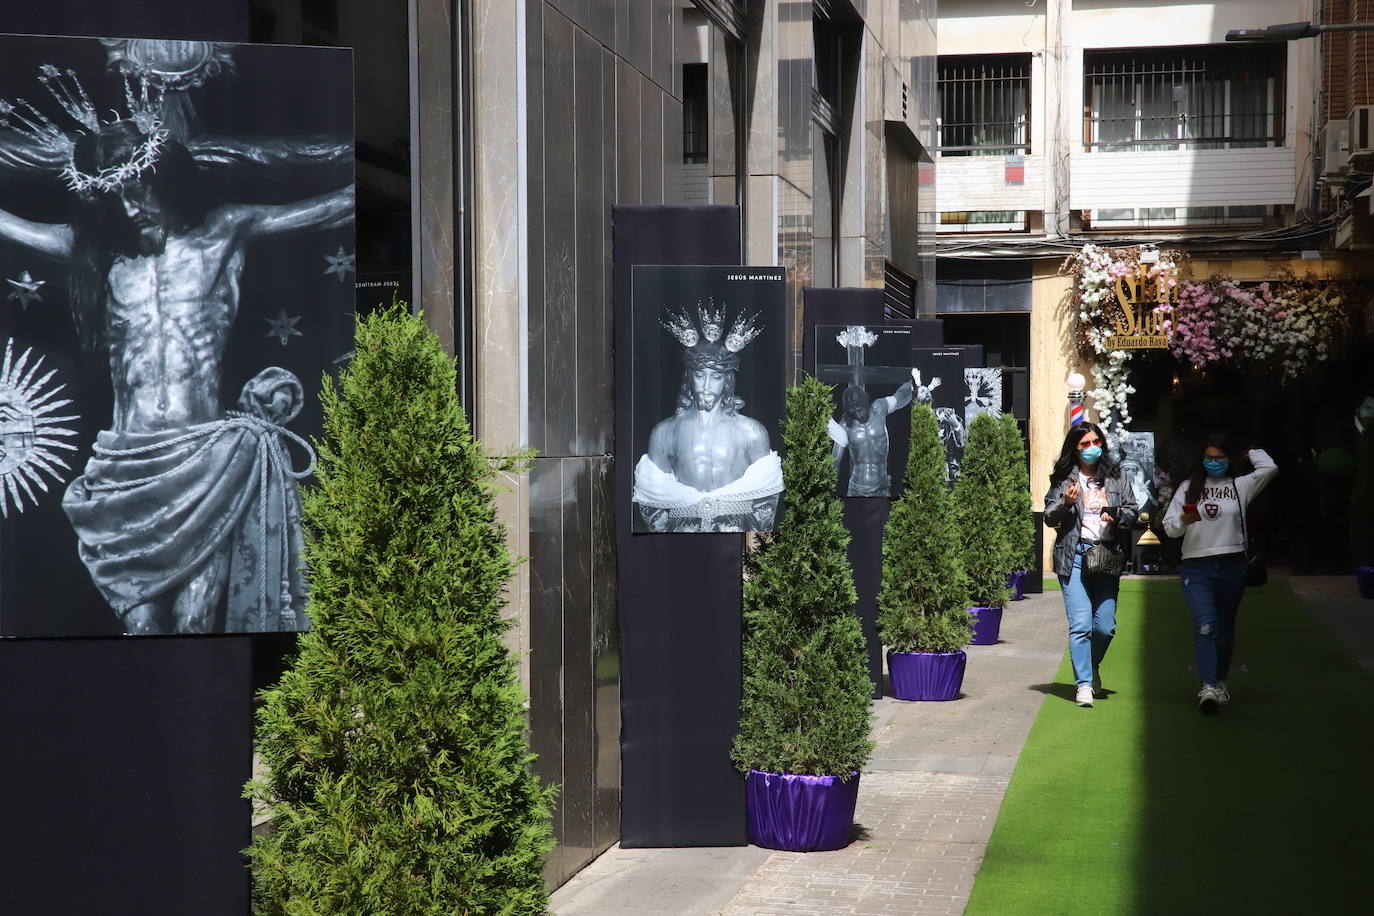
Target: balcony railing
{"points": [[1193, 98], [984, 105]]}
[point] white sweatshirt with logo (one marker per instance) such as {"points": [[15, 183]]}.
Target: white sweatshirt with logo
{"points": [[1220, 502]]}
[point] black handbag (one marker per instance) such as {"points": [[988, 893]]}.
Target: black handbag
{"points": [[1103, 560], [1256, 568]]}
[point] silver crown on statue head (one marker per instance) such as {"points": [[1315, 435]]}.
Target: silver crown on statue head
{"points": [[63, 85], [701, 335]]}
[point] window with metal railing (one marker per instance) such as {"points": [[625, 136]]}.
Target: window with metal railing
{"points": [[984, 105], [1196, 97]]}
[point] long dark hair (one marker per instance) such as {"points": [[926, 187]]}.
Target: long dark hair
{"points": [[1068, 455], [1197, 474], [102, 231]]}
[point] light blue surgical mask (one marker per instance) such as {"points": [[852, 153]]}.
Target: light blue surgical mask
{"points": [[1215, 467], [1091, 455]]}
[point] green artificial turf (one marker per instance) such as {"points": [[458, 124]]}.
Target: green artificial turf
{"points": [[1143, 805]]}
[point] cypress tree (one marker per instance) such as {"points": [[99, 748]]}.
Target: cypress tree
{"points": [[805, 704], [1017, 497], [398, 777], [980, 511], [923, 602]]}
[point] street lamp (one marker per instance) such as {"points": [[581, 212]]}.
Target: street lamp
{"points": [[1291, 31]]}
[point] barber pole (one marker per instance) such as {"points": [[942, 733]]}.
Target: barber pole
{"points": [[1077, 383]]}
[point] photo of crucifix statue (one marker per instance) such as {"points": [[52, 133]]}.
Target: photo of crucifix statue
{"points": [[867, 430], [187, 511]]}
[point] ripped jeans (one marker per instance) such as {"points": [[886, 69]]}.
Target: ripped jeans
{"points": [[1213, 587]]}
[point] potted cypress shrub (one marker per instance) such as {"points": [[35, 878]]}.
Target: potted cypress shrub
{"points": [[923, 615], [398, 777], [804, 712], [983, 527], [1017, 507]]}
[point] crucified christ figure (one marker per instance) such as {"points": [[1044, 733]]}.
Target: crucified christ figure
{"points": [[184, 507]]}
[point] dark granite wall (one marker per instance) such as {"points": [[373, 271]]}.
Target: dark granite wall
{"points": [[605, 127]]}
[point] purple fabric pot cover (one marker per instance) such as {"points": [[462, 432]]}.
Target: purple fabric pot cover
{"points": [[800, 813], [1364, 577], [986, 625], [926, 675], [1016, 581]]}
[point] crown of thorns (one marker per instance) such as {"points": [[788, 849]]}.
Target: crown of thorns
{"points": [[702, 332], [63, 85]]}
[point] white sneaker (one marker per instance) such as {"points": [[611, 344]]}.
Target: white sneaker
{"points": [[1223, 695], [1208, 700], [1084, 695]]}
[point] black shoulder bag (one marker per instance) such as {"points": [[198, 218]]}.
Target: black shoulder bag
{"points": [[1103, 560], [1256, 569]]}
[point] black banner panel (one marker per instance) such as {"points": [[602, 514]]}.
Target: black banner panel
{"points": [[824, 305], [866, 520], [680, 597], [125, 760], [176, 271]]}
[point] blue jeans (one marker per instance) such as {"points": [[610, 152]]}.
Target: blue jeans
{"points": [[1213, 587], [1091, 606]]}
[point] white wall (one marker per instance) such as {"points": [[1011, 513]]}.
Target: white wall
{"points": [[1010, 26]]}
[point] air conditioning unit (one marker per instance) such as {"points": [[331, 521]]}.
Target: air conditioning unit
{"points": [[1362, 130], [1335, 144]]}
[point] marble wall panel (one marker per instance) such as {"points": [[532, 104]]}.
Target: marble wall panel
{"points": [[575, 700], [591, 431], [628, 83], [672, 150], [578, 797], [558, 254], [546, 635], [605, 655], [651, 142], [664, 31], [600, 21], [604, 126], [536, 354]]}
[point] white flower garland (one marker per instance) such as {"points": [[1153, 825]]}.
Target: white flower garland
{"points": [[1098, 270]]}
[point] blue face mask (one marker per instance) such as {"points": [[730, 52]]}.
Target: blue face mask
{"points": [[1215, 467], [1091, 455]]}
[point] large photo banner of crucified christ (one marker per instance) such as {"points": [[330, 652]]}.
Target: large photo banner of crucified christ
{"points": [[176, 276], [874, 382], [710, 374]]}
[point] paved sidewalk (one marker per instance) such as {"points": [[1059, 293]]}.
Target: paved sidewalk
{"points": [[927, 804], [1336, 602]]}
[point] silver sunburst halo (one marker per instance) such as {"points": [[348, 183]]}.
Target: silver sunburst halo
{"points": [[30, 435]]}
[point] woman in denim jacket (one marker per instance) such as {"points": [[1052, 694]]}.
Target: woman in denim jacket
{"points": [[1088, 503]]}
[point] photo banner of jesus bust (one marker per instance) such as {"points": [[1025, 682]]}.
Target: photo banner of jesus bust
{"points": [[176, 274], [710, 372]]}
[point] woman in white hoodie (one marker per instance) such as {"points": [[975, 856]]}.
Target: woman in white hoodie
{"points": [[1208, 513]]}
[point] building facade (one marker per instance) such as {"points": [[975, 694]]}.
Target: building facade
{"points": [[811, 117], [1064, 123]]}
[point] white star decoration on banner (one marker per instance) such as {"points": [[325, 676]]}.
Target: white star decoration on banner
{"points": [[28, 431], [340, 264], [25, 290], [283, 327]]}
